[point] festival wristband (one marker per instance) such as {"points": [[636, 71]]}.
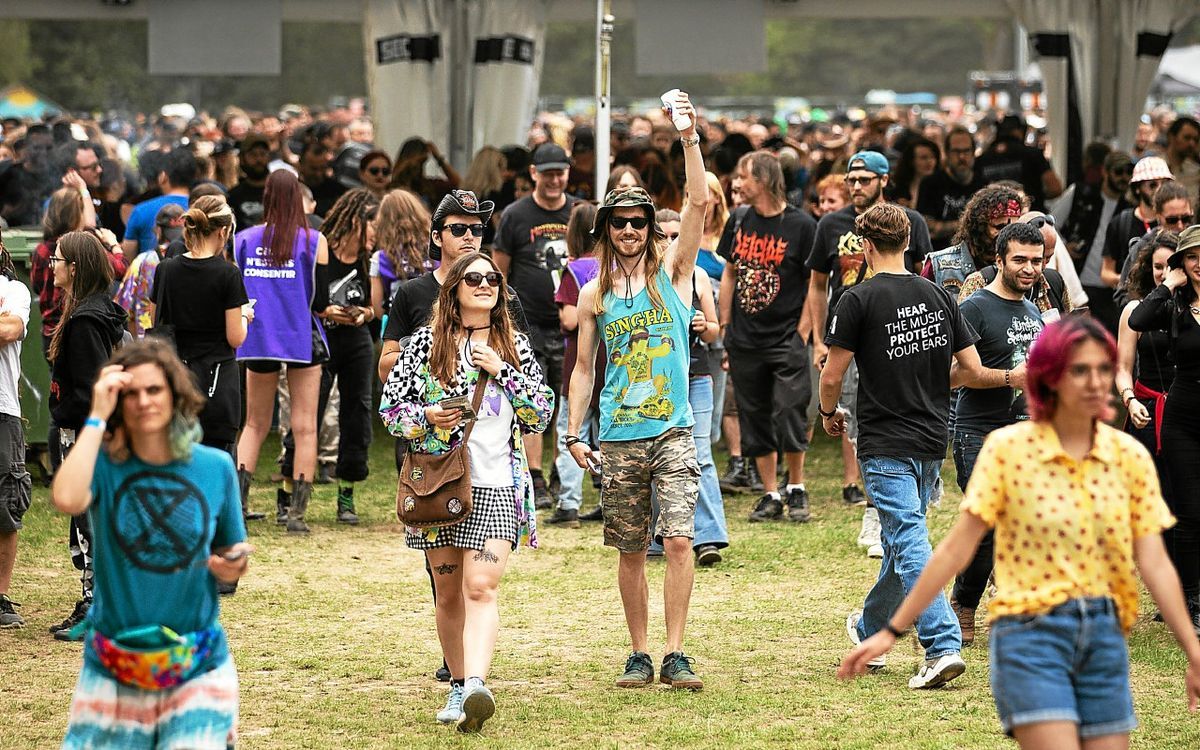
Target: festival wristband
{"points": [[1008, 378], [95, 422], [570, 440], [889, 627], [826, 414]]}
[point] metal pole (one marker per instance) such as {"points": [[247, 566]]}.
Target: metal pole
{"points": [[604, 31]]}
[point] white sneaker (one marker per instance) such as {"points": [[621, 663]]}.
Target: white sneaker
{"points": [[868, 535], [453, 709], [875, 552], [939, 492], [879, 662], [937, 672], [478, 706]]}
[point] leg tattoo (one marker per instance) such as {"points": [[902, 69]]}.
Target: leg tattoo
{"points": [[446, 569], [486, 555]]}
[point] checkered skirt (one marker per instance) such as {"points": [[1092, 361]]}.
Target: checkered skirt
{"points": [[493, 516]]}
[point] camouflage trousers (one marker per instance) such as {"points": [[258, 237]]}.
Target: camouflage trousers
{"points": [[629, 470]]}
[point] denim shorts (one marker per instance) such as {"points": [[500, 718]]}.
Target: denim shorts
{"points": [[1068, 664]]}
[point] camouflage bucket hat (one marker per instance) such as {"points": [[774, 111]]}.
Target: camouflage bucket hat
{"points": [[629, 197]]}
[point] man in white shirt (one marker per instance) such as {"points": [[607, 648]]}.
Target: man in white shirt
{"points": [[14, 479]]}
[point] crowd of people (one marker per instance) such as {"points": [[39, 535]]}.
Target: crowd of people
{"points": [[911, 284]]}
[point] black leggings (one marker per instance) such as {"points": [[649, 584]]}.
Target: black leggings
{"points": [[1181, 485]]}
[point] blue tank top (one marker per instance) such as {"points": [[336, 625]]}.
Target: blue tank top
{"points": [[646, 380]]}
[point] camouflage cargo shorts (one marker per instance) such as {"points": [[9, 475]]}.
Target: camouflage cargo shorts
{"points": [[630, 468]]}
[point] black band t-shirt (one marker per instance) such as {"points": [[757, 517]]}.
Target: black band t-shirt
{"points": [[904, 330], [1006, 330], [767, 257], [536, 240]]}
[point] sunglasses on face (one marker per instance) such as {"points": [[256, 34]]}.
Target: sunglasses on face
{"points": [[620, 222], [1042, 221], [861, 180], [379, 171], [1180, 219], [459, 230], [475, 278]]}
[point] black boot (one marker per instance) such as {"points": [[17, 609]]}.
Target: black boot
{"points": [[301, 494], [753, 480], [345, 505], [283, 501], [595, 514], [244, 479], [735, 479]]}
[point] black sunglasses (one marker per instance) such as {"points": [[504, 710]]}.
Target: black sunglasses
{"points": [[861, 180], [458, 230], [379, 171], [475, 278], [620, 222], [1180, 219], [1042, 221]]}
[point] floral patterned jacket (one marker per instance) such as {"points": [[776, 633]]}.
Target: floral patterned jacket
{"points": [[411, 387]]}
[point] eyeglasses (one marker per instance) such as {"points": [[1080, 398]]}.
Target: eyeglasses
{"points": [[1041, 221], [55, 259], [379, 171], [459, 230], [1180, 219], [620, 222], [861, 180], [475, 278]]}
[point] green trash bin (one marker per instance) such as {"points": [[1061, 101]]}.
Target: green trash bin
{"points": [[35, 374]]}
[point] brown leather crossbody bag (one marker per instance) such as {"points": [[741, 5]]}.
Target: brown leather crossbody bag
{"points": [[435, 490]]}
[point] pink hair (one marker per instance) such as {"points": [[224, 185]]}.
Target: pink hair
{"points": [[1050, 355]]}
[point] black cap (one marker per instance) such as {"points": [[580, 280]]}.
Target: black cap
{"points": [[549, 156], [457, 203]]}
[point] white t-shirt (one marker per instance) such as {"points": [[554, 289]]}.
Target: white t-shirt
{"points": [[491, 439], [14, 300]]}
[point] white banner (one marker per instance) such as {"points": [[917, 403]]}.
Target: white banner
{"points": [[407, 70], [509, 41]]}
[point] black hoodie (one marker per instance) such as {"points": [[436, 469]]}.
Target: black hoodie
{"points": [[94, 329]]}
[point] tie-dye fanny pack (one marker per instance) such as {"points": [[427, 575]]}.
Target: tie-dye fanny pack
{"points": [[154, 657]]}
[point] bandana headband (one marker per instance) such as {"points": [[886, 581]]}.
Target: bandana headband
{"points": [[1011, 207]]}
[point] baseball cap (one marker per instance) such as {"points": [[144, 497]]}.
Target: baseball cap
{"points": [[550, 156], [1150, 168], [170, 220], [872, 161], [1188, 240]]}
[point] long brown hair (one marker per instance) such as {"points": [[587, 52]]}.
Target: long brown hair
{"points": [[653, 253], [186, 399], [446, 322], [93, 275], [283, 213], [64, 213], [402, 229]]}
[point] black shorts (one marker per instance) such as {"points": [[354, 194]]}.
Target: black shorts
{"points": [[548, 348], [15, 485], [266, 366]]}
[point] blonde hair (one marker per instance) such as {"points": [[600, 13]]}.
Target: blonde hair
{"points": [[714, 223], [486, 173], [208, 214], [402, 229], [653, 253]]}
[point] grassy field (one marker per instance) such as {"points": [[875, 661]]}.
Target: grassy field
{"points": [[334, 642]]}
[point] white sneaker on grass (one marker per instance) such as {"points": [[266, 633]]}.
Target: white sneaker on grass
{"points": [[879, 662], [868, 535], [937, 672], [453, 709], [875, 552], [477, 707]]}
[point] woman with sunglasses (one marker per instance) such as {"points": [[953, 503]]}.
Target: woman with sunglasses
{"points": [[91, 327], [375, 172], [1174, 308], [401, 238], [1075, 506], [471, 335]]}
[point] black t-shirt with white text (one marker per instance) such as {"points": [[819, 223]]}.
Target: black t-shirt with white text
{"points": [[767, 257], [536, 240], [1006, 330], [904, 330]]}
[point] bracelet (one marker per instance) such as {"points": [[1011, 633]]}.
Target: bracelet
{"points": [[1008, 378], [827, 415], [693, 141], [570, 440], [95, 422], [889, 627]]}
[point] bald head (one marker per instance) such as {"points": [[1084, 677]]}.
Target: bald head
{"points": [[1046, 225]]}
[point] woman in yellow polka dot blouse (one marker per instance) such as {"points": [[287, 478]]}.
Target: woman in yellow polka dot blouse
{"points": [[1075, 505]]}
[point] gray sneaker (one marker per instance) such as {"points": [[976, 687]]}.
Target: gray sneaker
{"points": [[453, 710], [937, 672], [8, 616], [639, 671], [478, 705]]}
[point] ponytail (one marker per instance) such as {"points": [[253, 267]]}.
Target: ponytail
{"points": [[207, 214]]}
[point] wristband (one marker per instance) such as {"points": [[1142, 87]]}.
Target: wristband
{"points": [[826, 414], [1008, 378], [95, 422], [693, 141], [892, 629], [570, 440]]}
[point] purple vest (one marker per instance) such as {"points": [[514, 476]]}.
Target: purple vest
{"points": [[283, 320]]}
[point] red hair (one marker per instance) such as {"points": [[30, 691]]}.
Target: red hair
{"points": [[1051, 353], [283, 213]]}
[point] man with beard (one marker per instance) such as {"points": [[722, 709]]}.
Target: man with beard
{"points": [[1008, 158], [762, 298], [989, 211], [1007, 324], [837, 253], [245, 198], [944, 194], [1085, 211]]}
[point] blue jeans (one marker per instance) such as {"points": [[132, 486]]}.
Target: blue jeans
{"points": [[570, 476], [710, 506], [1068, 664], [900, 489], [971, 582]]}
